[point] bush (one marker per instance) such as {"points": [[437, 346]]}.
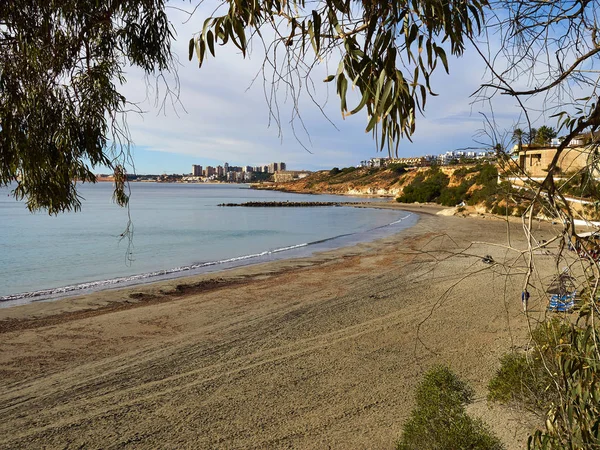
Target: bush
{"points": [[439, 420], [454, 195], [515, 381], [432, 186], [500, 210], [333, 172], [526, 378], [426, 187], [397, 168], [558, 377], [582, 185], [573, 417]]}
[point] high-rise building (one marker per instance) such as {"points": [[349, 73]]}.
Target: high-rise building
{"points": [[196, 170], [209, 171], [220, 171], [282, 166], [226, 167]]}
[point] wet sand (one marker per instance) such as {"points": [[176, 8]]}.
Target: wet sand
{"points": [[320, 352]]}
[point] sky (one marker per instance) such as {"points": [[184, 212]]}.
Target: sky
{"points": [[223, 116]]}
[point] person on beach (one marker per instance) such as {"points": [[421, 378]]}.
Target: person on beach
{"points": [[525, 299]]}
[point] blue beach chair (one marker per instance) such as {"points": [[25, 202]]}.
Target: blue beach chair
{"points": [[562, 303]]}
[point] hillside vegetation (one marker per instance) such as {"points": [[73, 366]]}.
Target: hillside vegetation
{"points": [[468, 185]]}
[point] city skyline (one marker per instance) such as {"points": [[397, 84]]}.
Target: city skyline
{"points": [[227, 172]]}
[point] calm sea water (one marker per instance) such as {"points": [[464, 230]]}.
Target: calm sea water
{"points": [[178, 230]]}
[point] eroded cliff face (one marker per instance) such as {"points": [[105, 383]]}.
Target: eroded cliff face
{"points": [[351, 181], [362, 181]]}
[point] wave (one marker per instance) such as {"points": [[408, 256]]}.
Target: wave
{"points": [[91, 285]]}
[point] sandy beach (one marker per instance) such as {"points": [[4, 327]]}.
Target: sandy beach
{"points": [[321, 352]]}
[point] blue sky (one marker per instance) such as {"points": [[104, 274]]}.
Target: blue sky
{"points": [[222, 119]]}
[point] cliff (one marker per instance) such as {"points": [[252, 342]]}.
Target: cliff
{"points": [[384, 182], [349, 181]]}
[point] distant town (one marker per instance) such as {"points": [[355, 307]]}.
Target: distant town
{"points": [[277, 171], [221, 174], [233, 174], [444, 159]]}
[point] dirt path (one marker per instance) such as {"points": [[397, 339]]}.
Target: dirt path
{"points": [[317, 353]]}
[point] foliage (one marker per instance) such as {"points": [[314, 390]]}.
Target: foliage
{"points": [[573, 420], [388, 50], [425, 187], [544, 135], [439, 420], [500, 210], [521, 379], [531, 136], [559, 378], [350, 174], [518, 136], [397, 168], [452, 196], [61, 66], [488, 180], [581, 184], [432, 186]]}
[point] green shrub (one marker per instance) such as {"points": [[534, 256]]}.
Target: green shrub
{"points": [[425, 187], [500, 210], [519, 381], [454, 195], [508, 382], [526, 378], [558, 377], [439, 420], [581, 185], [432, 186], [573, 416], [488, 175], [397, 168], [333, 172], [461, 173]]}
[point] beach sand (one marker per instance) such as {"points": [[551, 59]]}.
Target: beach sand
{"points": [[320, 352]]}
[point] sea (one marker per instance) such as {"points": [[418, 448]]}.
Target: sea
{"points": [[178, 230]]}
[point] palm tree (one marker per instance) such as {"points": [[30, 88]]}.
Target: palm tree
{"points": [[517, 137], [531, 136], [545, 135]]}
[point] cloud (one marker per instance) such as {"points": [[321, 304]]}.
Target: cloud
{"points": [[224, 116]]}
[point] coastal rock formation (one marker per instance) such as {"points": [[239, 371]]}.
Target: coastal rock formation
{"points": [[350, 181], [385, 182]]}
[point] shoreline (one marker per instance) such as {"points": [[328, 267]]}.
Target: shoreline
{"points": [[305, 353], [182, 272]]}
